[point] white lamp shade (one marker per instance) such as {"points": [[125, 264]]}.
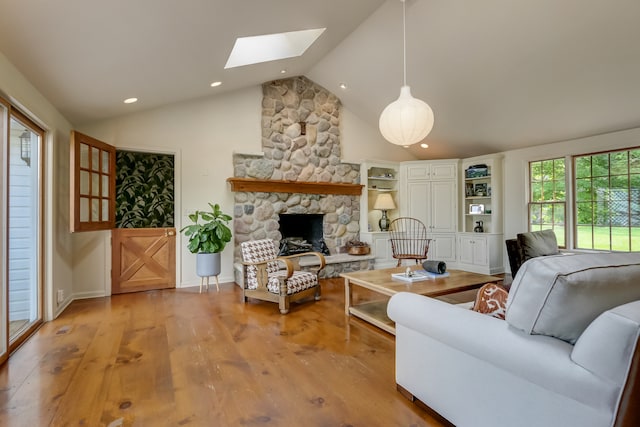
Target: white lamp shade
{"points": [[384, 201], [407, 120]]}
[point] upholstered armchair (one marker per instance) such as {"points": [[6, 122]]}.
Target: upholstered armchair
{"points": [[269, 277], [530, 245]]}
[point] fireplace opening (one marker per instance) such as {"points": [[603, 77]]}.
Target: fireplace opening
{"points": [[302, 233]]}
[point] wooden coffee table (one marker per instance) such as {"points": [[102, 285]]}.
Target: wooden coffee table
{"points": [[380, 282]]}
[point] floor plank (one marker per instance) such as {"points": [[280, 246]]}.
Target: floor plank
{"points": [[181, 358]]}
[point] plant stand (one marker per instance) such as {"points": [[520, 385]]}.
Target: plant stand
{"points": [[204, 280], [207, 265]]}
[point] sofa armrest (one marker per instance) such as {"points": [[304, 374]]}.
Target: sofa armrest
{"points": [[541, 360], [607, 346]]}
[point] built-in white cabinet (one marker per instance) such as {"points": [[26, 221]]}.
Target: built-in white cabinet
{"points": [[429, 192], [480, 242], [378, 177], [433, 203], [480, 253], [481, 194], [451, 197]]}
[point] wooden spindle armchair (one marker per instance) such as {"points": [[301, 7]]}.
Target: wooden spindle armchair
{"points": [[408, 238]]}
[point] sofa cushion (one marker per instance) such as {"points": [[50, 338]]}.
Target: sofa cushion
{"points": [[537, 243], [491, 299], [561, 295]]}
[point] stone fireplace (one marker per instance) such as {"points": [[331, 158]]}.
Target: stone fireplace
{"points": [[301, 146]]}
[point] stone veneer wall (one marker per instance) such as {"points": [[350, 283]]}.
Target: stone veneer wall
{"points": [[291, 155]]}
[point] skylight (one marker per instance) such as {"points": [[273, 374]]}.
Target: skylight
{"points": [[271, 47]]}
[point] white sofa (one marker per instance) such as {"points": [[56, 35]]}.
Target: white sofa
{"points": [[566, 355]]}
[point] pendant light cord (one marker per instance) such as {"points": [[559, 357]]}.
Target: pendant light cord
{"points": [[404, 42]]}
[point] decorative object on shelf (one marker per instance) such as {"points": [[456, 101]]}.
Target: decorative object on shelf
{"points": [[479, 228], [477, 171], [468, 189], [384, 202], [356, 247], [480, 189], [407, 120], [476, 209]]}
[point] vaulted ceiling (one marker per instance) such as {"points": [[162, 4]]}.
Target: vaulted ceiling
{"points": [[499, 74]]}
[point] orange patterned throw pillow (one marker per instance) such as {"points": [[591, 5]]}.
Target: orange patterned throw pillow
{"points": [[492, 300]]}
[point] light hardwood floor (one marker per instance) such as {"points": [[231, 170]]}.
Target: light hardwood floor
{"points": [[180, 358]]}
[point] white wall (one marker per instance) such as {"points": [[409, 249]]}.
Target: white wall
{"points": [[205, 132], [516, 166], [58, 253], [362, 142]]}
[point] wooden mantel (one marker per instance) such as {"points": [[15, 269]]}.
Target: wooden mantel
{"points": [[276, 186]]}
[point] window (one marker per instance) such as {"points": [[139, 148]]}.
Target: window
{"points": [[547, 205], [607, 202], [92, 183]]}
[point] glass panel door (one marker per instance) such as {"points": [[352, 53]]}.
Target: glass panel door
{"points": [[23, 229], [4, 132]]}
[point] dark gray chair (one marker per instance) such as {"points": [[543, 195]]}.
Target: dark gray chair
{"points": [[530, 245]]}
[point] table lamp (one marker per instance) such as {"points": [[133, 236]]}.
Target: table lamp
{"points": [[384, 202]]}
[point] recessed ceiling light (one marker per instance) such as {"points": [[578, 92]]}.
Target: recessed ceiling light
{"points": [[343, 86], [271, 47], [405, 146], [283, 71], [424, 145], [216, 84], [130, 100]]}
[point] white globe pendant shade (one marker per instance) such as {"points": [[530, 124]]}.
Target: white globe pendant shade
{"points": [[407, 120]]}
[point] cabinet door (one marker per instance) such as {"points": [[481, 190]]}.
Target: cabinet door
{"points": [[442, 247], [382, 249], [443, 171], [480, 251], [465, 249], [418, 172], [419, 200], [473, 250], [442, 207]]}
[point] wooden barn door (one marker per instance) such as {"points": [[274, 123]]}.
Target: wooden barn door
{"points": [[143, 259], [144, 241]]}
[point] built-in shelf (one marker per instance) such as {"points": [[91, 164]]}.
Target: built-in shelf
{"points": [[278, 186]]}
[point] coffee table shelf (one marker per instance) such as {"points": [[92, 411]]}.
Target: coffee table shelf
{"points": [[380, 282], [374, 312]]}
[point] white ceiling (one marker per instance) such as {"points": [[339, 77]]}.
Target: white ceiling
{"points": [[499, 74]]}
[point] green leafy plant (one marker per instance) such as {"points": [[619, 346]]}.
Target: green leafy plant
{"points": [[212, 234]]}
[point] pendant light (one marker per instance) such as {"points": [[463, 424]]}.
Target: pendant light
{"points": [[407, 120]]}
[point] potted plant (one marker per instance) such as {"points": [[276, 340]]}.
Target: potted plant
{"points": [[208, 238]]}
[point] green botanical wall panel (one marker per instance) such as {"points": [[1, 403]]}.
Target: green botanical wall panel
{"points": [[144, 190]]}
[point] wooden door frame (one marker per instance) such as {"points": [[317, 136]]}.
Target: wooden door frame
{"points": [[177, 208]]}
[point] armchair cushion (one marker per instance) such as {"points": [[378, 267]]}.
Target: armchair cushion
{"points": [[299, 281], [537, 243], [560, 296]]}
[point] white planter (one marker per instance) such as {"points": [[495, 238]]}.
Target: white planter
{"points": [[207, 264]]}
